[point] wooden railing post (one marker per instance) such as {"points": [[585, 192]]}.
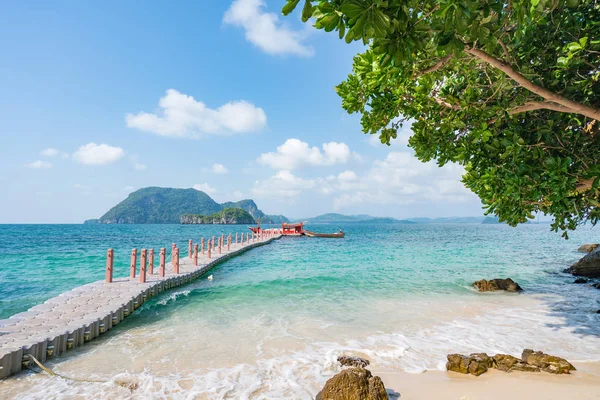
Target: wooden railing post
{"points": [[229, 242], [163, 256], [190, 249], [196, 254], [173, 247], [151, 262], [133, 263], [220, 243], [202, 246], [176, 260], [236, 238], [209, 247], [110, 259], [143, 266]]}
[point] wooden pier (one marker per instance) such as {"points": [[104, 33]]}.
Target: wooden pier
{"points": [[76, 317]]}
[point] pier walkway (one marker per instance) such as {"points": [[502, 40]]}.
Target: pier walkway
{"points": [[75, 317]]}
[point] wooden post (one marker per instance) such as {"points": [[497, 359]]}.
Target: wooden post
{"points": [[202, 246], [214, 243], [163, 256], [133, 262], [190, 249], [173, 247], [110, 258], [176, 260], [229, 242], [151, 262], [209, 247], [196, 254], [143, 267], [236, 238], [222, 240], [220, 245]]}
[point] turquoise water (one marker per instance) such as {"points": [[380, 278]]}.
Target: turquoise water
{"points": [[273, 320], [40, 261]]}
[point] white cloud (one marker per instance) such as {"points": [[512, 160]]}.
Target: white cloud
{"points": [[139, 166], [282, 184], [52, 152], [218, 169], [347, 176], [237, 195], [401, 178], [264, 30], [39, 164], [98, 154], [205, 187], [295, 153], [183, 116]]}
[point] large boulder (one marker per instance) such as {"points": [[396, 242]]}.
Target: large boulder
{"points": [[474, 364], [588, 248], [588, 266], [353, 384], [497, 284], [508, 363], [348, 361], [546, 362]]}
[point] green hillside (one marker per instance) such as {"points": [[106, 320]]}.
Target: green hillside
{"points": [[155, 205], [226, 216]]}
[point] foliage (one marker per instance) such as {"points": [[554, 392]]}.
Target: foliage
{"points": [[225, 216], [508, 89]]}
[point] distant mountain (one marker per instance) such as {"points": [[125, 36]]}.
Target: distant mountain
{"points": [[155, 205], [361, 218], [491, 220], [252, 208]]}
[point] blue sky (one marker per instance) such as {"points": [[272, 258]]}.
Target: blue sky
{"points": [[100, 99]]}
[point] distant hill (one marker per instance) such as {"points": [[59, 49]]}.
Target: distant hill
{"points": [[156, 205], [491, 220], [225, 216], [361, 218]]}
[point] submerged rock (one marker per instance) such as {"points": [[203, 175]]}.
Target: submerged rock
{"points": [[588, 266], [474, 364], [348, 361], [546, 362], [508, 363], [353, 384], [580, 280], [497, 284], [587, 248]]}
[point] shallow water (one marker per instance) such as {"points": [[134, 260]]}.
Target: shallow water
{"points": [[273, 321]]}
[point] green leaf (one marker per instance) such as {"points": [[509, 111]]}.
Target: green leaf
{"points": [[307, 11], [289, 7]]}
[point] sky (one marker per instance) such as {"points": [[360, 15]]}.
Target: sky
{"points": [[229, 97]]}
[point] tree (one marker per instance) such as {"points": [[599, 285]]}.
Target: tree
{"points": [[507, 88]]}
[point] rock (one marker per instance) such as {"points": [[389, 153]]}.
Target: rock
{"points": [[497, 284], [348, 361], [507, 363], [596, 285], [587, 248], [546, 362], [588, 266], [353, 384], [580, 280], [475, 363]]}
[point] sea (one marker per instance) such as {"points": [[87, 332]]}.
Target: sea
{"points": [[272, 322]]}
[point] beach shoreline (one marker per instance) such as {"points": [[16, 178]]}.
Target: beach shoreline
{"points": [[583, 384]]}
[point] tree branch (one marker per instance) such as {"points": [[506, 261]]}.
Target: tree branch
{"points": [[444, 103], [539, 105], [570, 105], [443, 61]]}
